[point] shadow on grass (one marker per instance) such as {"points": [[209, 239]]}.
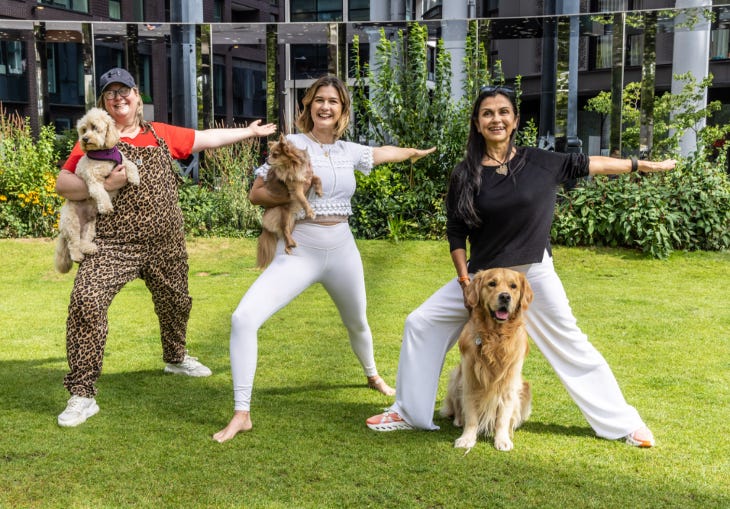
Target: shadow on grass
{"points": [[309, 441]]}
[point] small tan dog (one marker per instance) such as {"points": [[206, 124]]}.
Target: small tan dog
{"points": [[287, 175], [486, 392], [98, 138]]}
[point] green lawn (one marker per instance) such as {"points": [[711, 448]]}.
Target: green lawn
{"points": [[664, 327]]}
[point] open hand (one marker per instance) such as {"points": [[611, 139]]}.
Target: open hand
{"points": [[261, 130], [419, 153]]}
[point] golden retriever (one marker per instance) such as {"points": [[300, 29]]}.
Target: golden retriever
{"points": [[98, 139], [287, 176], [486, 392]]}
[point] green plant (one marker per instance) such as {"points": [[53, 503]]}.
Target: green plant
{"points": [[674, 114], [30, 205], [218, 204], [688, 208]]}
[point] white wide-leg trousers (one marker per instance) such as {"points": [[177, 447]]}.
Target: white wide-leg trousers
{"points": [[432, 329]]}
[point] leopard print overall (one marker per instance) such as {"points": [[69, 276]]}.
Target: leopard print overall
{"points": [[142, 238]]}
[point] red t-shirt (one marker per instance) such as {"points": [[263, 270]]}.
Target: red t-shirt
{"points": [[179, 140]]}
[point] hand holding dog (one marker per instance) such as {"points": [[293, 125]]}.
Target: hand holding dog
{"points": [[117, 179]]}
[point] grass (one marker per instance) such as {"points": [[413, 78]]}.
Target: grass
{"points": [[664, 327]]}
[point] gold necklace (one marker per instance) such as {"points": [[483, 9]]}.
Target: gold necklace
{"points": [[321, 145], [503, 169]]}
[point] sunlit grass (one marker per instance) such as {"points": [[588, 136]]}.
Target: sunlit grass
{"points": [[664, 327]]}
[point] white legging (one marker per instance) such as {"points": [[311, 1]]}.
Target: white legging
{"points": [[324, 254], [432, 329]]}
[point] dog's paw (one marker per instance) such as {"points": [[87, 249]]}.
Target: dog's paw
{"points": [[77, 256], [503, 444], [133, 178], [89, 248], [465, 442], [104, 208]]}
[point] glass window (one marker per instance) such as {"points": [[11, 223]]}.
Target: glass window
{"points": [[720, 44], [71, 5], [636, 49], [249, 89], [219, 85], [604, 51], [13, 76], [316, 10], [309, 61], [115, 9], [65, 73], [358, 10]]}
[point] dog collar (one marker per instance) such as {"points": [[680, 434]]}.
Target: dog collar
{"points": [[109, 154], [478, 340]]}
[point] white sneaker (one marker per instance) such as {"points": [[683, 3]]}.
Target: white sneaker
{"points": [[77, 411], [189, 366]]}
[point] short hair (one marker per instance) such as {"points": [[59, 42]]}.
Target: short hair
{"points": [[304, 120]]}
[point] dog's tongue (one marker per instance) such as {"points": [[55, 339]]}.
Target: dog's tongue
{"points": [[501, 314]]}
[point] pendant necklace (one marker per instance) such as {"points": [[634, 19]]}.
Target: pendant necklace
{"points": [[502, 169], [321, 145]]}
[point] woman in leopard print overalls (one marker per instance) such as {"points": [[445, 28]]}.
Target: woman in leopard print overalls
{"points": [[142, 238]]}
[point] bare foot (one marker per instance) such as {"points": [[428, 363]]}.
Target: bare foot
{"points": [[241, 421], [377, 383]]}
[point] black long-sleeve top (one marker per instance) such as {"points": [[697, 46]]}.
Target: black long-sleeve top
{"points": [[516, 210]]}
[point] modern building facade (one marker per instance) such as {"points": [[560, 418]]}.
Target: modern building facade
{"points": [[253, 58]]}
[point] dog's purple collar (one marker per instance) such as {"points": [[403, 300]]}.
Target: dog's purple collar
{"points": [[109, 154]]}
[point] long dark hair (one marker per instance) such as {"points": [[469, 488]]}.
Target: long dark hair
{"points": [[466, 179]]}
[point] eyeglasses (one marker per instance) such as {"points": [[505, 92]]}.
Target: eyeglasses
{"points": [[491, 89], [121, 92]]}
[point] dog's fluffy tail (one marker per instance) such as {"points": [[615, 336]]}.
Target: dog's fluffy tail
{"points": [[266, 249], [62, 259]]}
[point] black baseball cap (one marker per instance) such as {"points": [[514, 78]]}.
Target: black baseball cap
{"points": [[116, 75]]}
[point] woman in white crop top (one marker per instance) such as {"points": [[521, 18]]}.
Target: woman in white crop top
{"points": [[326, 252]]}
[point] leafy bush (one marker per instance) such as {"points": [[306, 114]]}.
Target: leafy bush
{"points": [[688, 208], [30, 205], [408, 108], [218, 204]]}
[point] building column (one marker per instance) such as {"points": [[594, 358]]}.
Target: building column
{"points": [[691, 54], [453, 32]]}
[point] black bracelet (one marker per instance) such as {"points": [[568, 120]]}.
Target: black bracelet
{"points": [[634, 165]]}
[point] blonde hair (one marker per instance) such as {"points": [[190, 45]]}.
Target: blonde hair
{"points": [[140, 106], [304, 121]]}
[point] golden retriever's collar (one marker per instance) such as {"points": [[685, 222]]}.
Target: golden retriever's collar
{"points": [[109, 154], [478, 340]]}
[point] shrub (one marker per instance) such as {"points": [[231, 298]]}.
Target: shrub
{"points": [[688, 208], [218, 204], [30, 205]]}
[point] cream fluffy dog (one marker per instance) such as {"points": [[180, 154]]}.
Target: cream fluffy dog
{"points": [[98, 138], [486, 391]]}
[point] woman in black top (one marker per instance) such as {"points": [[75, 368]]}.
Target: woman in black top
{"points": [[502, 198]]}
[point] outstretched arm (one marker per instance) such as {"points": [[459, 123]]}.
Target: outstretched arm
{"points": [[220, 137], [72, 187], [391, 154], [602, 165]]}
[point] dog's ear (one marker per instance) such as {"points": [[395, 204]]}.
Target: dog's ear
{"points": [[112, 135], [526, 294], [473, 292]]}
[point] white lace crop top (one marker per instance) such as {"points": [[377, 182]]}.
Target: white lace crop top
{"points": [[335, 164]]}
